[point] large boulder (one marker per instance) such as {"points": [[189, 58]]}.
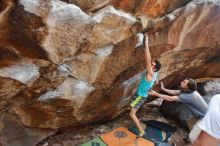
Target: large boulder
{"points": [[61, 67]]}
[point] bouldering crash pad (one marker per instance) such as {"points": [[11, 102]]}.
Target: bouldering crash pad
{"points": [[94, 142], [122, 137]]}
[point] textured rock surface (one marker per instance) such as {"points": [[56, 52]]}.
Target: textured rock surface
{"points": [[89, 5], [65, 66], [14, 133], [105, 32], [150, 8], [67, 27]]}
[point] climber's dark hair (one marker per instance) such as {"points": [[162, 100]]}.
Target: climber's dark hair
{"points": [[158, 64]]}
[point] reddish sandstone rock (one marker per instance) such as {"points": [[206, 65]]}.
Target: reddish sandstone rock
{"points": [[61, 67]]}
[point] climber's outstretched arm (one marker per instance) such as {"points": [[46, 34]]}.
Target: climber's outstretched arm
{"points": [[149, 73]]}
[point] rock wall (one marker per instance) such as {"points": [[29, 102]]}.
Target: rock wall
{"points": [[68, 63]]}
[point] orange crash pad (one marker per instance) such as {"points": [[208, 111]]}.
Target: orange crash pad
{"points": [[123, 137]]}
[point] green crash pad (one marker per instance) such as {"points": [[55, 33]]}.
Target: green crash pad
{"points": [[94, 142]]}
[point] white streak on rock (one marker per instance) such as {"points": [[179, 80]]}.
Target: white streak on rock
{"points": [[140, 40], [71, 89], [24, 71], [112, 10], [48, 95]]}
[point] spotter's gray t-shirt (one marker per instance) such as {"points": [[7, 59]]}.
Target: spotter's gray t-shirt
{"points": [[194, 102]]}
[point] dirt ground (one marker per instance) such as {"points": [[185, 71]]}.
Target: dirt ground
{"points": [[77, 136]]}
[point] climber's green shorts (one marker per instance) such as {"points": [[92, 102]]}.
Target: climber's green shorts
{"points": [[137, 101]]}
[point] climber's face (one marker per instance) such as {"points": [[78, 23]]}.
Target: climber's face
{"points": [[153, 64]]}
